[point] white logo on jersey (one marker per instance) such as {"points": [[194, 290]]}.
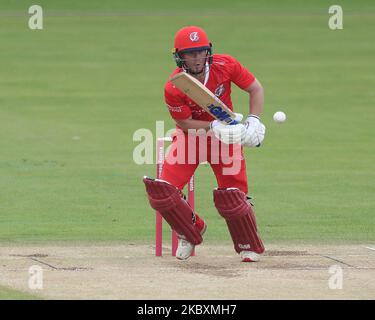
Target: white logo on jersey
{"points": [[194, 36], [219, 90], [174, 109]]}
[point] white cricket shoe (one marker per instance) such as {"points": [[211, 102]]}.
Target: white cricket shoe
{"points": [[249, 256], [186, 248]]}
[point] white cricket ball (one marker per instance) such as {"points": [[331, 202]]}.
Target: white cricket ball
{"points": [[279, 117]]}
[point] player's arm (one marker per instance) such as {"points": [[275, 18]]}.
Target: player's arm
{"points": [[255, 130], [256, 93], [251, 133], [190, 123]]}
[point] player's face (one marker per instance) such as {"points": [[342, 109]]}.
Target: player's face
{"points": [[195, 61]]}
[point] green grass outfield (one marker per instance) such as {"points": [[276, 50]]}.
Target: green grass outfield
{"points": [[11, 294], [72, 95]]}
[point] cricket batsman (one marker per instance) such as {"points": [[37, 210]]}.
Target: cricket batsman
{"points": [[193, 54]]}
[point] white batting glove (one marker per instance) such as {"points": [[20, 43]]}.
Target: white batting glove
{"points": [[255, 131], [229, 134]]}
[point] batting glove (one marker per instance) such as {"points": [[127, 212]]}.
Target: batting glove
{"points": [[229, 134], [255, 131]]}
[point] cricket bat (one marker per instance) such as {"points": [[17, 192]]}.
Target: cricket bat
{"points": [[203, 97]]}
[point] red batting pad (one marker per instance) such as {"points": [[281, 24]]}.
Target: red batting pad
{"points": [[233, 207], [169, 201]]}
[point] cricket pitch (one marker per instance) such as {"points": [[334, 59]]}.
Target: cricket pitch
{"points": [[131, 271]]}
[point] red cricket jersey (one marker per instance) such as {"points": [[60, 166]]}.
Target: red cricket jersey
{"points": [[224, 70]]}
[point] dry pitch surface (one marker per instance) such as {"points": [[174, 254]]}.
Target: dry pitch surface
{"points": [[124, 271]]}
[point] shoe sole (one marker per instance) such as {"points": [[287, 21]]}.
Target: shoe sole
{"points": [[249, 260]]}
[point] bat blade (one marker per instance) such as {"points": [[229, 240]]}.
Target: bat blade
{"points": [[203, 97]]}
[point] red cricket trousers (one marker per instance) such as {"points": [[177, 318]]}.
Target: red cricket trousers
{"points": [[187, 151]]}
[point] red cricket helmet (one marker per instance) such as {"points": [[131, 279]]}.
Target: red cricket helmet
{"points": [[190, 39]]}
